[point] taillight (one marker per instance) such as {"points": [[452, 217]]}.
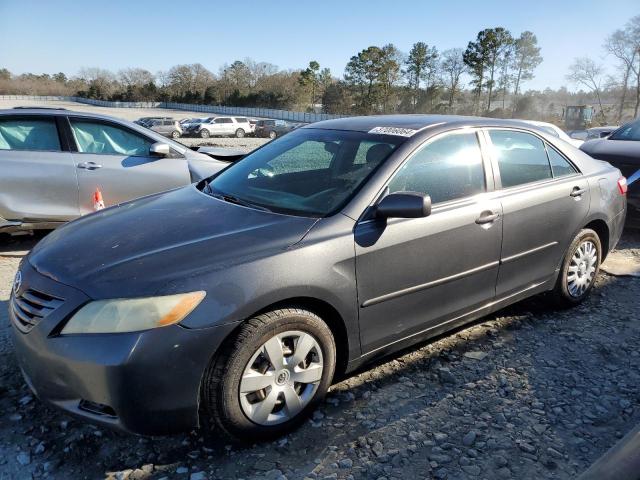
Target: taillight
{"points": [[622, 186]]}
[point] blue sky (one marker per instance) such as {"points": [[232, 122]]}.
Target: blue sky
{"points": [[63, 35]]}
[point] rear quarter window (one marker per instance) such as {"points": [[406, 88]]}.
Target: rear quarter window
{"points": [[560, 166]]}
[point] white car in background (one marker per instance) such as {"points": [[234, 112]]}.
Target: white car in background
{"points": [[556, 131], [222, 127]]}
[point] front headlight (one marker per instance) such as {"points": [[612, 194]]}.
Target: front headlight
{"points": [[132, 314]]}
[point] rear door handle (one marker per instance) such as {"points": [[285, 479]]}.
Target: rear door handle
{"points": [[577, 191], [89, 165], [487, 217]]}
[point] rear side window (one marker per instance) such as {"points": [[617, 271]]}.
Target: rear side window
{"points": [[38, 134], [559, 165], [368, 149], [241, 120], [448, 168], [521, 157], [102, 138]]}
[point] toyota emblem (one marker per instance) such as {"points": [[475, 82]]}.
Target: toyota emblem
{"points": [[17, 282]]}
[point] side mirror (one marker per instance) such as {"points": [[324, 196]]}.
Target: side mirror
{"points": [[160, 149], [404, 205], [604, 134]]}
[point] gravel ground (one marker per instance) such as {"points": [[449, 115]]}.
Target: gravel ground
{"points": [[527, 393]]}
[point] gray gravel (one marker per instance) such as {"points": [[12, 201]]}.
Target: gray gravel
{"points": [[527, 393], [246, 143]]}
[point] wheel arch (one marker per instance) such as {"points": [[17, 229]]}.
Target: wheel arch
{"points": [[602, 229], [327, 312], [330, 315]]}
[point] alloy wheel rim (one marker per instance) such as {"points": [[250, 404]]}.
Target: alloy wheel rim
{"points": [[281, 378], [582, 268]]}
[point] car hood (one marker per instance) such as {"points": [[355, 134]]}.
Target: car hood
{"points": [[136, 248]]}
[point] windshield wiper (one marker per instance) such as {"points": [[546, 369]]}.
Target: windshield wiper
{"points": [[235, 200]]}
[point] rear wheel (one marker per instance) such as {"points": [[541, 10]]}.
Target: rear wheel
{"points": [[271, 376], [273, 134], [175, 134], [204, 133], [579, 269], [239, 133]]}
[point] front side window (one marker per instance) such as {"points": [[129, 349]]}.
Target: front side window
{"points": [[448, 168], [102, 138], [29, 134], [309, 172], [521, 157], [630, 131]]}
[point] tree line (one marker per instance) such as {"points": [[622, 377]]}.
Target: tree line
{"points": [[488, 77]]}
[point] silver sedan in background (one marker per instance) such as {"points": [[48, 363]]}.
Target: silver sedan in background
{"points": [[54, 160]]}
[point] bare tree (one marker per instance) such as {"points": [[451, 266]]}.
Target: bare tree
{"points": [[452, 67], [584, 71], [100, 82]]}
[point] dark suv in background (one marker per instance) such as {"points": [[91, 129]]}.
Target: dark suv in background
{"points": [[272, 128]]}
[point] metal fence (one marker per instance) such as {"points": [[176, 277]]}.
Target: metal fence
{"points": [[216, 109]]}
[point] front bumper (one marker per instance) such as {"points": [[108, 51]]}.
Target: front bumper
{"points": [[141, 382]]}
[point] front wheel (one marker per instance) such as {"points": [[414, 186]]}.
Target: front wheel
{"points": [[271, 376], [175, 134], [272, 134], [204, 133], [579, 269]]}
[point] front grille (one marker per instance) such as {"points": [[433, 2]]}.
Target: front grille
{"points": [[31, 306]]}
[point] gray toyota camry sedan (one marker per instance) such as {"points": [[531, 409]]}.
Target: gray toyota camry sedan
{"points": [[234, 302]]}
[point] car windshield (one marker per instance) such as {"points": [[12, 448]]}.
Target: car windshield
{"points": [[631, 131], [309, 172]]}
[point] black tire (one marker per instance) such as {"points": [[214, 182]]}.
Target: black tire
{"points": [[562, 293], [239, 133], [272, 134], [204, 133], [221, 382], [175, 134]]}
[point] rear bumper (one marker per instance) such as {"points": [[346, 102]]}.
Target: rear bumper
{"points": [[141, 382]]}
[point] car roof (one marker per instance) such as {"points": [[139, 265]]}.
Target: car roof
{"points": [[413, 122], [55, 111]]}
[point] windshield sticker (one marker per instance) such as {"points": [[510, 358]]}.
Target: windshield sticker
{"points": [[403, 132]]}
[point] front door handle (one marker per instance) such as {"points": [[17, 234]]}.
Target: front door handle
{"points": [[577, 191], [89, 165], [487, 217]]}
